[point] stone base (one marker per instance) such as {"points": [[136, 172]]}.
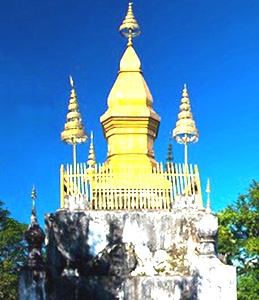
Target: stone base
{"points": [[134, 288], [32, 285], [131, 255]]}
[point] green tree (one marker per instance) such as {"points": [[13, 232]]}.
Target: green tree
{"points": [[12, 253], [239, 241]]}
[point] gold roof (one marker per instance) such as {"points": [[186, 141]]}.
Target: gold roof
{"points": [[130, 61], [185, 130], [130, 87], [74, 128]]}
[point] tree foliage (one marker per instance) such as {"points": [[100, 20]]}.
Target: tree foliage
{"points": [[12, 253], [239, 241]]}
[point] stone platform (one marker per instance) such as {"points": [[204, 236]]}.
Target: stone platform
{"points": [[131, 255]]}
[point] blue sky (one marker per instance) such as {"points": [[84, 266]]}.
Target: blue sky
{"points": [[210, 45]]}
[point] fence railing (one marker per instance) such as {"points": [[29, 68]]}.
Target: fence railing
{"points": [[106, 188]]}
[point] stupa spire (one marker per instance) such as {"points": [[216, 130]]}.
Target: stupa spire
{"points": [[74, 132], [185, 131], [130, 124], [33, 210], [74, 128], [208, 191], [130, 27], [34, 237], [91, 157]]}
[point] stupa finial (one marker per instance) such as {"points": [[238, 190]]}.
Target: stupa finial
{"points": [[34, 237], [71, 81], [130, 27], [208, 191], [91, 157], [74, 128], [185, 131], [74, 132], [33, 210], [33, 195]]}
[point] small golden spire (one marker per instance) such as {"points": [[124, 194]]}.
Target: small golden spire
{"points": [[129, 26], [91, 157], [74, 129], [208, 191], [185, 131], [74, 132]]}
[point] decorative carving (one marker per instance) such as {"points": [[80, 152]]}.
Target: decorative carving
{"points": [[208, 229]]}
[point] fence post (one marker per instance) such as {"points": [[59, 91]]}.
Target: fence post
{"points": [[62, 195]]}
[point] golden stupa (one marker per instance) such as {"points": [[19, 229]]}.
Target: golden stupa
{"points": [[130, 124], [130, 178]]}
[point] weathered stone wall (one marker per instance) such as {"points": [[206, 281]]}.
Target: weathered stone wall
{"points": [[31, 287], [125, 255]]}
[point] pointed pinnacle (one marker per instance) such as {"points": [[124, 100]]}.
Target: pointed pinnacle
{"points": [[91, 157], [185, 130], [71, 81], [185, 91], [73, 132], [129, 27], [33, 193], [208, 187], [33, 210], [208, 191]]}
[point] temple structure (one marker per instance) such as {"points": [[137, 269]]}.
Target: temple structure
{"points": [[133, 228], [130, 178]]}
